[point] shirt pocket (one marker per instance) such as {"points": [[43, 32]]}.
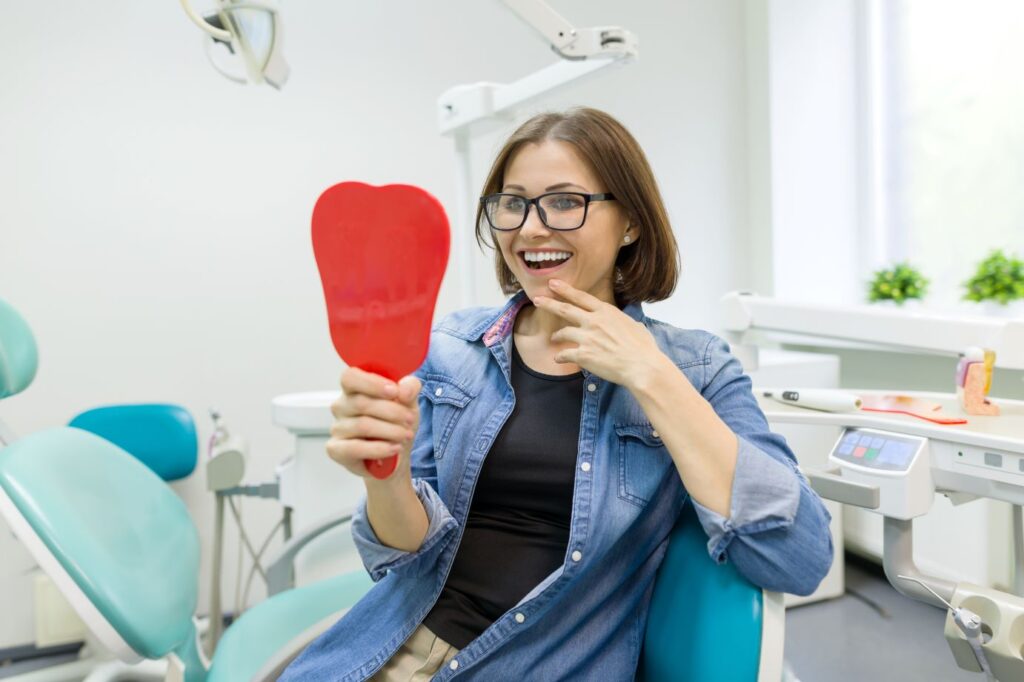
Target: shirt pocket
{"points": [[448, 402], [643, 460]]}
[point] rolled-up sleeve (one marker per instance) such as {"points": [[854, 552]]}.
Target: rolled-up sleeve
{"points": [[777, 533], [765, 495], [379, 558]]}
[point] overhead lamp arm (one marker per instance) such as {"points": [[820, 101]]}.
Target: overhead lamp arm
{"points": [[566, 40], [541, 16], [583, 51]]}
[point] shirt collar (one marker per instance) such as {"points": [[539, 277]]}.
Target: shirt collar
{"points": [[499, 327]]}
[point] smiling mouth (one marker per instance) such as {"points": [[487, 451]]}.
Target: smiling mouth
{"points": [[545, 261]]}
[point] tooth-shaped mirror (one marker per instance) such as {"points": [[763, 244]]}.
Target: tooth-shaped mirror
{"points": [[381, 252]]}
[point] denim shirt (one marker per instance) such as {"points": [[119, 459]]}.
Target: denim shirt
{"points": [[586, 620]]}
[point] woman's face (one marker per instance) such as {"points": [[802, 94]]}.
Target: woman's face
{"points": [[554, 166]]}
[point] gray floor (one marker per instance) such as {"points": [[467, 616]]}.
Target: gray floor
{"points": [[845, 639], [12, 669]]}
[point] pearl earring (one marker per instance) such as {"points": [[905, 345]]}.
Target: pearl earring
{"points": [[626, 239]]}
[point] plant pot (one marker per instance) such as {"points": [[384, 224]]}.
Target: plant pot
{"points": [[1011, 310], [890, 304]]}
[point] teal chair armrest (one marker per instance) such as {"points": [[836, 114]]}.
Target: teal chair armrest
{"points": [[260, 644]]}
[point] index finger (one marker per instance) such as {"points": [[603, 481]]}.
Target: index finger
{"points": [[355, 380], [582, 299], [567, 311]]}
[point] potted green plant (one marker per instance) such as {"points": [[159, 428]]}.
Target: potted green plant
{"points": [[997, 282], [897, 285]]}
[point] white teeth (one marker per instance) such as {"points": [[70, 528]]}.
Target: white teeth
{"points": [[546, 255]]}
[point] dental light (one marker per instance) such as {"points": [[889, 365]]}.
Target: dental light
{"points": [[243, 41]]}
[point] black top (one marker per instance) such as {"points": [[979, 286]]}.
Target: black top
{"points": [[517, 530]]}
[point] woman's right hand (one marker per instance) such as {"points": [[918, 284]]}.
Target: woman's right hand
{"points": [[374, 417]]}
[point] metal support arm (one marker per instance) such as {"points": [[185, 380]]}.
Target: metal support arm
{"points": [[281, 568]]}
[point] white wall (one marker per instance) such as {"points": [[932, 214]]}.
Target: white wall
{"points": [[154, 217]]}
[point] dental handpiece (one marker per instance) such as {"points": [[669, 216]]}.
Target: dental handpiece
{"points": [[826, 400], [969, 623]]}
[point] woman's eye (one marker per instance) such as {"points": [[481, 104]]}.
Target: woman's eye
{"points": [[512, 203], [565, 203]]}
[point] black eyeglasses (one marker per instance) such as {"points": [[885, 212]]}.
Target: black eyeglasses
{"points": [[557, 210]]}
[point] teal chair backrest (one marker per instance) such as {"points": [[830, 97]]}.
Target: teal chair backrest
{"points": [[163, 437], [18, 355], [121, 535], [705, 619]]}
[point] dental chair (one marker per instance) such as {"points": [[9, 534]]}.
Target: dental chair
{"points": [[120, 545], [706, 621]]}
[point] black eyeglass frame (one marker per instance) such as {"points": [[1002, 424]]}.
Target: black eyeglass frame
{"points": [[587, 198]]}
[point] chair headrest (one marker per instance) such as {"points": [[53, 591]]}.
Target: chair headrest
{"points": [[18, 355], [163, 437]]}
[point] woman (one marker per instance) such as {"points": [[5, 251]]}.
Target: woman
{"points": [[554, 442]]}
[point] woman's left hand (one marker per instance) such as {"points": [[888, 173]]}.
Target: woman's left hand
{"points": [[609, 342]]}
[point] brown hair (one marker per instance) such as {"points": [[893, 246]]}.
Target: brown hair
{"points": [[649, 266]]}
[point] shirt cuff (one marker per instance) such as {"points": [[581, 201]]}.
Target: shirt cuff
{"points": [[765, 496], [379, 558]]}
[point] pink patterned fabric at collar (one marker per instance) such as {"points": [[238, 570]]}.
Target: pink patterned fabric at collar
{"points": [[500, 329]]}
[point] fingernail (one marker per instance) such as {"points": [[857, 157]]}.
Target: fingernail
{"points": [[555, 282], [540, 299]]}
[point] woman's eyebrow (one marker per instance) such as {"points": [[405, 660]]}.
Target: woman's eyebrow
{"points": [[560, 185]]}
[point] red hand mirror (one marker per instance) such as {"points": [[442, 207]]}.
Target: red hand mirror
{"points": [[381, 252]]}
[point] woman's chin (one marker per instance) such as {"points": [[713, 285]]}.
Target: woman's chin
{"points": [[534, 289]]}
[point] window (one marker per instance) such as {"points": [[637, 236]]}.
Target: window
{"points": [[949, 135]]}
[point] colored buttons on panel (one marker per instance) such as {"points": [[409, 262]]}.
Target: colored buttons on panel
{"points": [[868, 447], [848, 443]]}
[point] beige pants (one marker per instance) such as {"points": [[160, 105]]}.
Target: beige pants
{"points": [[418, 659]]}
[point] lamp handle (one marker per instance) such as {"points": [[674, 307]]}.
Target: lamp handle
{"points": [[218, 33]]}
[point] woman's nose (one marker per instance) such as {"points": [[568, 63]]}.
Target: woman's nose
{"points": [[533, 226]]}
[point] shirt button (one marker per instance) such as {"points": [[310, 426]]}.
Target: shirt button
{"points": [[520, 618], [577, 555], [438, 391], [591, 387], [654, 434], [585, 466], [454, 665]]}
